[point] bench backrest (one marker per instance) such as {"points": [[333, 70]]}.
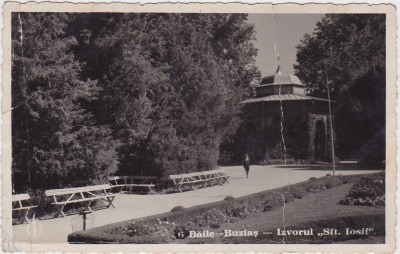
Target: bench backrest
{"points": [[132, 177], [179, 176], [20, 197], [188, 178], [66, 191], [195, 174]]}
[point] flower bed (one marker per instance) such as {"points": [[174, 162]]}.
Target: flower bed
{"points": [[163, 228], [368, 190]]}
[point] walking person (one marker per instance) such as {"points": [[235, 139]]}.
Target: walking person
{"points": [[246, 164]]}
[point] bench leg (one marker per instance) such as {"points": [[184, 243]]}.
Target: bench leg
{"points": [[23, 216], [110, 201], [87, 205], [212, 182], [225, 180], [26, 216], [60, 211]]}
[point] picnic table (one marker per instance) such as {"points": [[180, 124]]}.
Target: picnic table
{"points": [[85, 195], [131, 182], [202, 179], [21, 206]]}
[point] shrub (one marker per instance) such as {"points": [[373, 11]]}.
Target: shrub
{"points": [[240, 210], [323, 183], [39, 198], [312, 178], [368, 190], [163, 183], [229, 198], [272, 201], [212, 218], [140, 227], [288, 196], [298, 192], [279, 161], [178, 209]]}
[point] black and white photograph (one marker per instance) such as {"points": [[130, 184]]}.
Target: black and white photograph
{"points": [[199, 128]]}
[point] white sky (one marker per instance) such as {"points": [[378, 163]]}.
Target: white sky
{"points": [[290, 30]]}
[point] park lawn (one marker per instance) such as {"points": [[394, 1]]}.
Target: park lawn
{"points": [[311, 210], [313, 203]]}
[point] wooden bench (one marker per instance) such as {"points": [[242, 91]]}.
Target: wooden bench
{"points": [[21, 207], [218, 176], [204, 178], [85, 195], [131, 182], [190, 180]]}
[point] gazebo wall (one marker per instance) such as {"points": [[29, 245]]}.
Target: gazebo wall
{"points": [[300, 119], [267, 116]]}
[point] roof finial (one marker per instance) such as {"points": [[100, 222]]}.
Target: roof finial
{"points": [[278, 71]]}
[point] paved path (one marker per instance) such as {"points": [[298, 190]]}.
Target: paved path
{"points": [[132, 206]]}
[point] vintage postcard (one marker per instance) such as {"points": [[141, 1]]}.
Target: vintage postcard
{"points": [[198, 127]]}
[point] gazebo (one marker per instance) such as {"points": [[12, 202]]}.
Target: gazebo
{"points": [[282, 121]]}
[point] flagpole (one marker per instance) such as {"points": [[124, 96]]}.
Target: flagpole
{"points": [[330, 120]]}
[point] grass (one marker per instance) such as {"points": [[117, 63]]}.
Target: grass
{"points": [[234, 213], [316, 210]]}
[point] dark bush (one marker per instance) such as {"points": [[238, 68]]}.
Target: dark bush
{"points": [[298, 192], [229, 198], [288, 196], [140, 227], [163, 183], [212, 218], [368, 190], [178, 209], [312, 178]]}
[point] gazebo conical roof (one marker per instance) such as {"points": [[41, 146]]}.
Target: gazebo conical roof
{"points": [[279, 78], [280, 87]]}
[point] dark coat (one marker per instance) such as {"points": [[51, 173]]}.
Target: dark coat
{"points": [[246, 164]]}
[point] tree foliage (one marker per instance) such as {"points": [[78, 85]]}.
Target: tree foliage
{"points": [[55, 140], [94, 93], [352, 49]]}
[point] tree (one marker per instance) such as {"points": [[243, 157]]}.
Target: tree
{"points": [[352, 46], [172, 84], [141, 93], [55, 140]]}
